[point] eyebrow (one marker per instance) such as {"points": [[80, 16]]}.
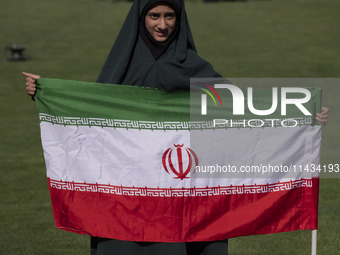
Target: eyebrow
{"points": [[167, 13]]}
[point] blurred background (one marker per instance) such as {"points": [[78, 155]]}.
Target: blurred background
{"points": [[70, 39]]}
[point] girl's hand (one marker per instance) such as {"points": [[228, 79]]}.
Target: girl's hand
{"points": [[31, 87], [322, 117]]}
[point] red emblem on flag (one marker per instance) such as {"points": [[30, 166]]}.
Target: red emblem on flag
{"points": [[188, 161]]}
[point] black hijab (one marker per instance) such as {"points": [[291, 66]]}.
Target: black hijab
{"points": [[137, 59]]}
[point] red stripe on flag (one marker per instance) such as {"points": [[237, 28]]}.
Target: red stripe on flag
{"points": [[184, 219]]}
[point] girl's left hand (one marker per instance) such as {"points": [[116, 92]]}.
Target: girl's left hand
{"points": [[322, 117]]}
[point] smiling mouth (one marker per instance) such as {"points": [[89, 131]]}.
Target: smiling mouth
{"points": [[161, 34]]}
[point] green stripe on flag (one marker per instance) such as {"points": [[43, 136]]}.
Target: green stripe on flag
{"points": [[69, 102]]}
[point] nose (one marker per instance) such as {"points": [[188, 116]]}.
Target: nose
{"points": [[162, 24]]}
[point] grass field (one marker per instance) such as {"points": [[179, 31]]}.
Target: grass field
{"points": [[70, 39]]}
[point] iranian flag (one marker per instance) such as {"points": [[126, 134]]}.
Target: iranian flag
{"points": [[122, 163]]}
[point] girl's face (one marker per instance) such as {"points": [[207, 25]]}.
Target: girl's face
{"points": [[160, 22]]}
